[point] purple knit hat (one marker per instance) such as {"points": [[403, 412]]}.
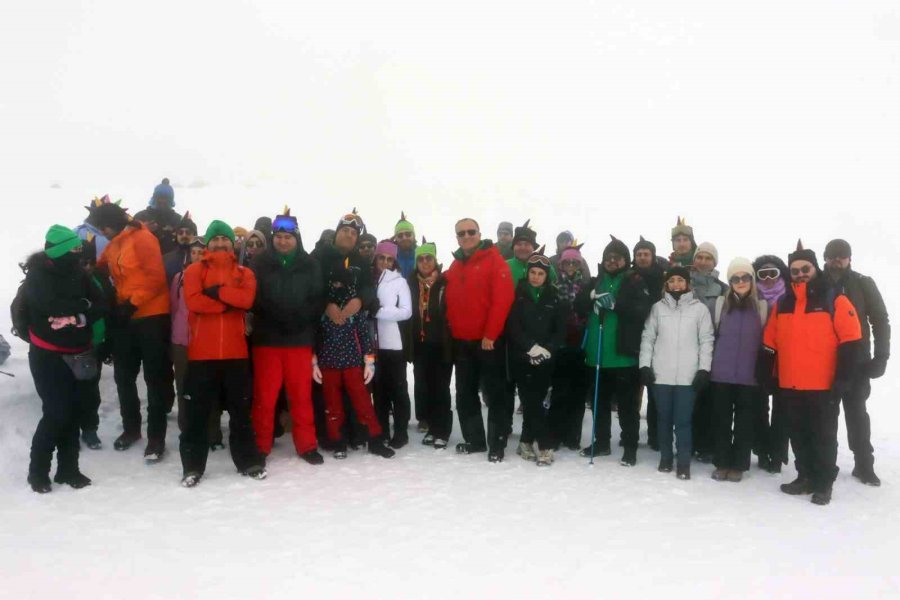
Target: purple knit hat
{"points": [[387, 248], [572, 253]]}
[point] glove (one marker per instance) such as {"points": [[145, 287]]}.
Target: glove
{"points": [[647, 376], [701, 381], [212, 291], [876, 367], [374, 307], [847, 364], [765, 370], [317, 372], [604, 301], [125, 310], [538, 355], [369, 371]]}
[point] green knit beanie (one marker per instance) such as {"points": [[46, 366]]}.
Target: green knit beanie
{"points": [[426, 249], [404, 225], [219, 228], [59, 240]]}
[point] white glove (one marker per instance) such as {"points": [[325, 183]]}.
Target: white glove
{"points": [[534, 352], [540, 355], [368, 372], [317, 372]]}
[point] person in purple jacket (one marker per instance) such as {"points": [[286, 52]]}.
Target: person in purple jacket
{"points": [[739, 319], [181, 331]]}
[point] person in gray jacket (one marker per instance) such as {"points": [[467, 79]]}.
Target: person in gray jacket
{"points": [[676, 357]]}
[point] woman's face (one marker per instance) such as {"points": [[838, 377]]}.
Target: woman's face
{"points": [[676, 283], [570, 267], [741, 283], [537, 277], [768, 276], [384, 262]]}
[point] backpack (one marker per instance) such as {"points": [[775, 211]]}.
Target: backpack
{"points": [[762, 308], [19, 312]]}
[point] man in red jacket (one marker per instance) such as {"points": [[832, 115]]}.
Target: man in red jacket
{"points": [[479, 295], [218, 292]]}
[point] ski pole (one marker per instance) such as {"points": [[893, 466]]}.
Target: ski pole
{"points": [[9, 374], [596, 390]]}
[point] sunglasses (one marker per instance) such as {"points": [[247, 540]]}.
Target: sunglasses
{"points": [[466, 232], [254, 244], [768, 273], [805, 269], [367, 246], [424, 258], [404, 235], [745, 278]]}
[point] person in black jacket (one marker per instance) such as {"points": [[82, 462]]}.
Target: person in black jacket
{"points": [[289, 303], [876, 327], [62, 306], [427, 344], [536, 329]]}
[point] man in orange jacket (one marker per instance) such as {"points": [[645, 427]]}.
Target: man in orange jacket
{"points": [[218, 293], [141, 326], [814, 336]]}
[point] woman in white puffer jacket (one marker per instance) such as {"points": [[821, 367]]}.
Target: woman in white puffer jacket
{"points": [[676, 357], [391, 388]]}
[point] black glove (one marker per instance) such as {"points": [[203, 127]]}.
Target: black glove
{"points": [[765, 370], [125, 310], [212, 291], [701, 381], [374, 307], [847, 364], [647, 376], [876, 367]]}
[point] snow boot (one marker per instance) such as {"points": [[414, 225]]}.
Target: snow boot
{"points": [[257, 472], [683, 472], [665, 465], [428, 440], [191, 479], [77, 479], [313, 457], [735, 476], [822, 497], [720, 475], [377, 447], [467, 448], [422, 427], [526, 451], [340, 451], [866, 476], [126, 440], [399, 440], [545, 458], [439, 444], [91, 440], [496, 456], [40, 484], [598, 451], [155, 451], [797, 487], [629, 458]]}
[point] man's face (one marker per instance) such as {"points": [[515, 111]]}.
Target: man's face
{"points": [[613, 262], [802, 271], [108, 232], [676, 283], [184, 236], [468, 236], [367, 250], [704, 262], [345, 238], [837, 265], [504, 237], [569, 267], [426, 264], [220, 243], [643, 258], [283, 241], [537, 276], [681, 244], [405, 240], [197, 253], [523, 250]]}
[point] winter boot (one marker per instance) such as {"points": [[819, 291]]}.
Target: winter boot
{"points": [[822, 497], [340, 450], [735, 476], [313, 457], [683, 472], [665, 465], [40, 484], [720, 475], [125, 441], [399, 440], [91, 440], [422, 427], [866, 475], [496, 456], [428, 440], [467, 448], [545, 458], [526, 451], [155, 450], [76, 479], [629, 458], [377, 447], [598, 451], [797, 487], [191, 479], [439, 444], [257, 472]]}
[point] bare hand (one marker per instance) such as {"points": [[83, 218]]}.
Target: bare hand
{"points": [[487, 344], [351, 308], [334, 314]]}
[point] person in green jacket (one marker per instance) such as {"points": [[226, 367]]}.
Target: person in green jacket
{"points": [[524, 244], [617, 299]]}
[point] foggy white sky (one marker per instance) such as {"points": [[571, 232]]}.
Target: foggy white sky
{"points": [[611, 117]]}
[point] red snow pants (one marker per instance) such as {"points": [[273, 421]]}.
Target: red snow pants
{"points": [[292, 368], [351, 380]]}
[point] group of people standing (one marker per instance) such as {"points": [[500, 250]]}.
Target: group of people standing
{"points": [[250, 323]]}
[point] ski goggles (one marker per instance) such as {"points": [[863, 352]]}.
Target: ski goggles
{"points": [[351, 220], [539, 261], [284, 223], [768, 273]]}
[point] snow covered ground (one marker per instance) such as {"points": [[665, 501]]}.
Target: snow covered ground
{"points": [[759, 123]]}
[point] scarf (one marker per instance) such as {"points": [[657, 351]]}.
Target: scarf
{"points": [[425, 285], [772, 294], [569, 286]]}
